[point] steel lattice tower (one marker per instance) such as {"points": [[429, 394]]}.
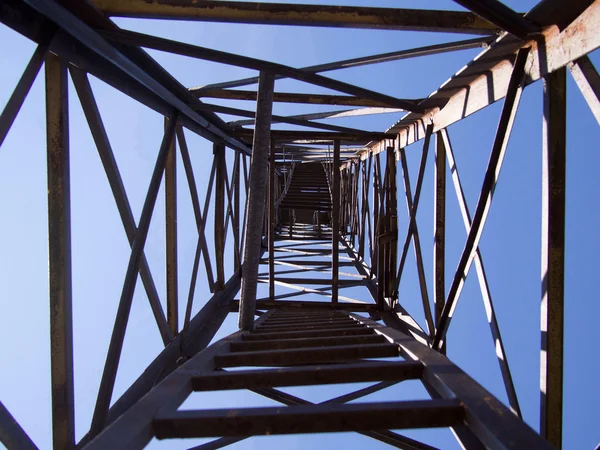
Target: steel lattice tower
{"points": [[321, 203]]}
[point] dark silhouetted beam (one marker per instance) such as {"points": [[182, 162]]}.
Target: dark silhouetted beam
{"points": [[586, 76], [365, 60], [553, 256], [502, 16], [195, 51], [306, 15], [59, 254], [293, 97], [281, 119]]}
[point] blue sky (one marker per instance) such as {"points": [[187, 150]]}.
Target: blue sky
{"points": [[510, 245]]}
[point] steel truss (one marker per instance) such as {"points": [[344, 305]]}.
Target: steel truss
{"points": [[310, 212]]}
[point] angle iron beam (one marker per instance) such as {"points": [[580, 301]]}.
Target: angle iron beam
{"points": [[553, 256], [12, 435], [256, 200], [309, 419], [366, 60], [586, 76], [335, 224], [294, 97], [327, 115], [171, 235], [502, 16], [195, 51], [413, 232], [109, 374], [199, 215], [59, 253], [306, 15], [505, 123], [439, 229], [279, 119], [107, 157], [219, 214], [272, 214], [483, 283], [16, 99]]}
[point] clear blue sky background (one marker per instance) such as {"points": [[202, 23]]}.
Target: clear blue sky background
{"points": [[510, 243]]}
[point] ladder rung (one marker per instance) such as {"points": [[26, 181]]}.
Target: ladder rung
{"points": [[309, 375], [245, 346], [312, 355], [308, 333], [317, 320], [309, 419], [307, 321], [309, 327]]}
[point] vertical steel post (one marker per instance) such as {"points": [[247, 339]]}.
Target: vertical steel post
{"points": [[219, 233], [391, 205], [171, 235], [553, 252], [236, 210], [272, 222], [439, 230], [59, 253], [335, 223], [256, 203], [376, 187]]}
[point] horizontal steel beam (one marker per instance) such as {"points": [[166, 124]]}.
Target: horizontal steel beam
{"points": [[280, 119], [307, 15], [293, 97], [300, 305], [310, 419], [208, 54], [367, 60]]}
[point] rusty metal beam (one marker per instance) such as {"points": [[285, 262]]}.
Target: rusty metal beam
{"points": [[306, 15], [365, 60], [439, 229], [219, 214], [199, 215], [586, 76], [118, 333], [195, 51], [335, 223], [12, 435], [103, 146], [256, 200], [171, 236], [502, 16], [412, 233], [486, 295], [14, 103], [293, 97], [553, 256], [59, 254], [280, 119], [492, 173], [326, 115], [272, 215]]}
